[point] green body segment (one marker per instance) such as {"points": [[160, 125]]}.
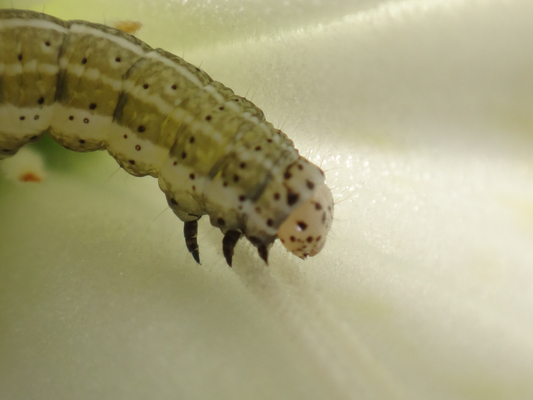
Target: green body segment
{"points": [[94, 87]]}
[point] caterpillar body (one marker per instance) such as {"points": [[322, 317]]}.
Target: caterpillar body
{"points": [[94, 87]]}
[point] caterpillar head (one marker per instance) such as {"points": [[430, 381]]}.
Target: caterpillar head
{"points": [[304, 232]]}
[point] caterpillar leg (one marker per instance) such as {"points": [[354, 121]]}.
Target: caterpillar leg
{"points": [[190, 231], [228, 244]]}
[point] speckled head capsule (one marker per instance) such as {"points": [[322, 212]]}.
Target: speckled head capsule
{"points": [[95, 87]]}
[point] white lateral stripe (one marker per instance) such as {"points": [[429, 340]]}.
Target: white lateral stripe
{"points": [[32, 23]]}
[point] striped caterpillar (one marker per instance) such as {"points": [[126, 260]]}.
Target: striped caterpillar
{"points": [[93, 87]]}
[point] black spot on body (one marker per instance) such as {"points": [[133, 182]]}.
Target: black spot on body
{"points": [[287, 175], [71, 118], [221, 108], [22, 117], [293, 239], [145, 86], [309, 239], [138, 148], [276, 196], [269, 140], [92, 106], [235, 178], [117, 59], [300, 167], [183, 155], [141, 128], [41, 100], [174, 202], [81, 141], [221, 222], [292, 198], [191, 140], [86, 120], [242, 197], [270, 222], [258, 148], [36, 117], [310, 185], [242, 165], [318, 206], [132, 162], [20, 57], [174, 87], [208, 118], [191, 176], [125, 136], [84, 61]]}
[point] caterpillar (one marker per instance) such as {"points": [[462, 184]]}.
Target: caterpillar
{"points": [[94, 87]]}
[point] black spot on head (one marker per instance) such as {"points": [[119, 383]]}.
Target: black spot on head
{"points": [[318, 206], [141, 128], [174, 202], [292, 198], [183, 155], [309, 239], [20, 57], [310, 185], [208, 117], [117, 59], [137, 147], [191, 176], [221, 222], [174, 87], [22, 117], [85, 120], [145, 86], [242, 165], [132, 162], [191, 140], [270, 222], [92, 106], [71, 118], [242, 197], [47, 43], [36, 117], [258, 148], [235, 178], [81, 141], [287, 175], [302, 225], [84, 61], [41, 100], [276, 196]]}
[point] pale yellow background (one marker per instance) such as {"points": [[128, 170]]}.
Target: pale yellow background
{"points": [[421, 114]]}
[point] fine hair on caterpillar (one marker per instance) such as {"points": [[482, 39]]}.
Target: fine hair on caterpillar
{"points": [[95, 87]]}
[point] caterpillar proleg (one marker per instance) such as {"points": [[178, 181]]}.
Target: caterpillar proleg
{"points": [[94, 87]]}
